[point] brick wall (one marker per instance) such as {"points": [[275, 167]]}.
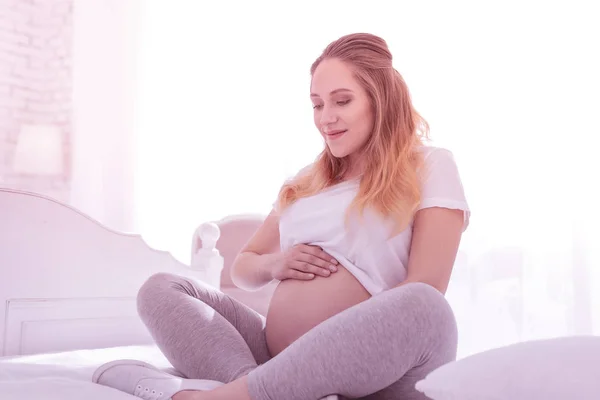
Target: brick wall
{"points": [[35, 84]]}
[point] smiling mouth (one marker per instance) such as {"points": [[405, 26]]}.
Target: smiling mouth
{"points": [[335, 134]]}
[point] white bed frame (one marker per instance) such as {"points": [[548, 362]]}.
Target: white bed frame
{"points": [[69, 283]]}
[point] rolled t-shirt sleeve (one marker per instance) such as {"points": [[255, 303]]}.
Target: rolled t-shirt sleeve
{"points": [[442, 185]]}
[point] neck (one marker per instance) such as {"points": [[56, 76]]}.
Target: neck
{"points": [[356, 168]]}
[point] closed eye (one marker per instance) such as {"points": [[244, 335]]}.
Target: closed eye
{"points": [[339, 103]]}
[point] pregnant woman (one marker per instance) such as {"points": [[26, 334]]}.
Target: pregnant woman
{"points": [[362, 241]]}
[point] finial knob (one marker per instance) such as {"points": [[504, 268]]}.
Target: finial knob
{"points": [[209, 233]]}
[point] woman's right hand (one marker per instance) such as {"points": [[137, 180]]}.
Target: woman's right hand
{"points": [[304, 262]]}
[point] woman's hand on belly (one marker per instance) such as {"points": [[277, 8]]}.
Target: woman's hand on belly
{"points": [[304, 262], [298, 306]]}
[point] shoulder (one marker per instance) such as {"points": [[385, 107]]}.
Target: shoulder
{"points": [[435, 153], [437, 161], [288, 183], [307, 169]]}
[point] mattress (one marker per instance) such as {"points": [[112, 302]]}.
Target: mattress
{"points": [[67, 376]]}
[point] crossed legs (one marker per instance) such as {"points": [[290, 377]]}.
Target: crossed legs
{"points": [[376, 350]]}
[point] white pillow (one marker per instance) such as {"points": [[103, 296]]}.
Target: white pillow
{"points": [[565, 368]]}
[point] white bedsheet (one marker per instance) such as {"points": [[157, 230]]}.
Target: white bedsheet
{"points": [[67, 376]]}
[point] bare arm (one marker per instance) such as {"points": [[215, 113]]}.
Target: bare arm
{"points": [[252, 268], [435, 241]]}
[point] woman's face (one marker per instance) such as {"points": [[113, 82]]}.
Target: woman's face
{"points": [[342, 109]]}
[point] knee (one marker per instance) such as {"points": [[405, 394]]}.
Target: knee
{"points": [[428, 300], [151, 289], [429, 308], [436, 318], [426, 294]]}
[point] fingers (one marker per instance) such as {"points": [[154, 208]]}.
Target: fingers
{"points": [[309, 267], [290, 273], [307, 261], [315, 263], [303, 276], [318, 252]]}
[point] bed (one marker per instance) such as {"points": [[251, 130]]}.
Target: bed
{"points": [[67, 289]]}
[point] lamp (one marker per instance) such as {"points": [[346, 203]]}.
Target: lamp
{"points": [[39, 150]]}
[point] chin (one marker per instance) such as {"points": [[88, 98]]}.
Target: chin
{"points": [[337, 153]]}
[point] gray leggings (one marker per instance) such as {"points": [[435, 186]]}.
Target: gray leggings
{"points": [[375, 350]]}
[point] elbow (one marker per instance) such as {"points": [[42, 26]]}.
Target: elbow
{"points": [[234, 271], [241, 272]]}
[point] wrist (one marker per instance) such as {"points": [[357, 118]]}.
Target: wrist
{"points": [[268, 266]]}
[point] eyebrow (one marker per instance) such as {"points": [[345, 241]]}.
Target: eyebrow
{"points": [[332, 92]]}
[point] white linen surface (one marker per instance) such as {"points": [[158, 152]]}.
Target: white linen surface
{"points": [[68, 375]]}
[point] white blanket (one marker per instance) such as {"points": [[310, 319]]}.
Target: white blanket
{"points": [[67, 376]]}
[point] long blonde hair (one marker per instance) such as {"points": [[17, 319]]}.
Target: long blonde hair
{"points": [[390, 182]]}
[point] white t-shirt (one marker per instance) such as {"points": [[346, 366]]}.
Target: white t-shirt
{"points": [[364, 247]]}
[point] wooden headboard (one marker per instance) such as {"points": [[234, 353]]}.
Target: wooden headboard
{"points": [[67, 282]]}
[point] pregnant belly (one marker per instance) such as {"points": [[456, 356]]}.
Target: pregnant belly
{"points": [[297, 306]]}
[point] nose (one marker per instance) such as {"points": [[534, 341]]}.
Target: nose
{"points": [[328, 116]]}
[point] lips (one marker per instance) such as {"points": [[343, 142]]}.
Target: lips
{"points": [[335, 134]]}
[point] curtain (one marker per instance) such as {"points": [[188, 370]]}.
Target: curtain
{"points": [[223, 117], [104, 105]]}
